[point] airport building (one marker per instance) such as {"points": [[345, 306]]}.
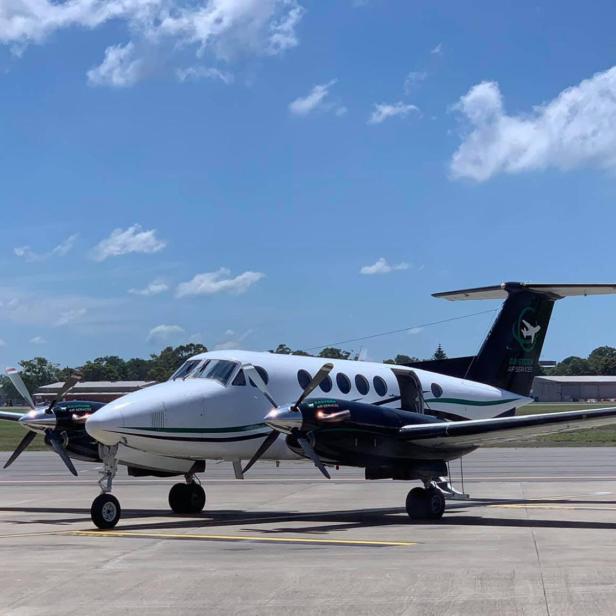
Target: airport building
{"points": [[574, 388], [97, 391]]}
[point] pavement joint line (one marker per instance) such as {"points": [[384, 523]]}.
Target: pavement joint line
{"points": [[203, 537]]}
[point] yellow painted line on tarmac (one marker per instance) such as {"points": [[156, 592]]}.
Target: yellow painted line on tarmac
{"points": [[559, 507], [356, 542]]}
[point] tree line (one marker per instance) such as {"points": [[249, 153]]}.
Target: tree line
{"points": [[158, 367]]}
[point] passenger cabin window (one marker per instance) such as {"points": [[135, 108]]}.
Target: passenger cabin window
{"points": [[218, 370], [361, 382], [262, 373], [303, 378], [326, 384], [380, 386], [185, 369], [437, 390], [343, 382]]}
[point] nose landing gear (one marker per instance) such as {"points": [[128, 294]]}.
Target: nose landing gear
{"points": [[106, 511]]}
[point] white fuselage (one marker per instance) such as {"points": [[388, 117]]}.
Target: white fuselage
{"points": [[201, 418]]}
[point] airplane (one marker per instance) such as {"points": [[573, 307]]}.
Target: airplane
{"points": [[528, 331], [396, 422]]}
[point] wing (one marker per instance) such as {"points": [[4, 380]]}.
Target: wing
{"points": [[478, 432], [7, 416]]}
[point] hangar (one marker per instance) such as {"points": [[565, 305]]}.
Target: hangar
{"points": [[573, 388], [97, 391]]}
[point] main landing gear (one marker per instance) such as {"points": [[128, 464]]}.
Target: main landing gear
{"points": [[106, 510], [425, 503], [187, 497]]}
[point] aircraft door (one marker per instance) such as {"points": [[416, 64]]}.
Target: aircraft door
{"points": [[411, 393]]}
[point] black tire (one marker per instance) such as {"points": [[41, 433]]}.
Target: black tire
{"points": [[178, 498], [435, 504], [105, 511], [416, 504], [196, 498]]}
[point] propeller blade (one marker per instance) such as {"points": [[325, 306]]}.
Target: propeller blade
{"points": [[265, 445], [66, 387], [20, 386], [312, 454], [251, 372], [25, 441], [56, 442], [324, 370]]}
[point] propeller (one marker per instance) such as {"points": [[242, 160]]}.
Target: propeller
{"points": [[25, 441], [38, 419], [307, 448]]}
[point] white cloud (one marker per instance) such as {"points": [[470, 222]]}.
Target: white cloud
{"points": [[39, 309], [194, 73], [159, 30], [317, 98], [415, 330], [2, 343], [156, 287], [577, 128], [437, 49], [412, 79], [121, 67], [69, 316], [125, 241], [382, 267], [211, 283], [38, 340], [235, 341], [163, 333], [383, 111], [61, 250]]}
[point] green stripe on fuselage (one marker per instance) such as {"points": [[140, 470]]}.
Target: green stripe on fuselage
{"points": [[470, 402], [201, 430]]}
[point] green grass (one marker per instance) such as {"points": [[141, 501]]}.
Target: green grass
{"points": [[592, 437], [11, 433]]}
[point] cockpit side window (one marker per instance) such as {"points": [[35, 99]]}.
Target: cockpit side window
{"points": [[219, 370], [185, 369]]}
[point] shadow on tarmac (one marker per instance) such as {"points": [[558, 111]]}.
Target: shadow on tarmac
{"points": [[457, 514]]}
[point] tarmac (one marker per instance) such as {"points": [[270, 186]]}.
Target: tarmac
{"points": [[538, 537]]}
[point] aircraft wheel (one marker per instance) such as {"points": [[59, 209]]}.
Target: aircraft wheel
{"points": [[416, 504], [187, 498], [196, 498], [435, 504], [105, 511]]}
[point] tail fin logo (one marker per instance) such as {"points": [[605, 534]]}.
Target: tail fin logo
{"points": [[524, 331]]}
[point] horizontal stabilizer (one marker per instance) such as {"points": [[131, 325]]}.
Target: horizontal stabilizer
{"points": [[553, 291], [480, 432]]}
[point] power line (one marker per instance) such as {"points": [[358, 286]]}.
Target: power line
{"points": [[403, 329]]}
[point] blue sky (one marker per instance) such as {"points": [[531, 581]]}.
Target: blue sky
{"points": [[221, 171]]}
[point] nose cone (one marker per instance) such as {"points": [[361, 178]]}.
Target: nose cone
{"points": [[284, 419], [105, 425], [38, 420]]}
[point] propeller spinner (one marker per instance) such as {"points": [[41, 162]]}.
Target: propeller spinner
{"points": [[287, 419]]}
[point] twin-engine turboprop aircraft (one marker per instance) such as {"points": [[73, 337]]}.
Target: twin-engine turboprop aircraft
{"points": [[397, 422], [400, 422]]}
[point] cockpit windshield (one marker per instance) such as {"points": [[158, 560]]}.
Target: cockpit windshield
{"points": [[220, 370], [185, 369]]}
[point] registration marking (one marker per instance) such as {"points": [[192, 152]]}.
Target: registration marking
{"points": [[202, 537]]}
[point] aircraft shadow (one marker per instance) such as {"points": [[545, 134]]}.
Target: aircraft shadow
{"points": [[322, 522]]}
